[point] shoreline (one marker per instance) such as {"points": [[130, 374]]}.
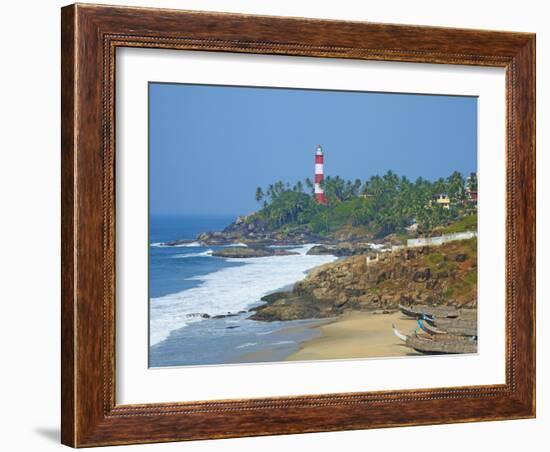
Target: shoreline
{"points": [[356, 329], [231, 291], [353, 335], [356, 335], [279, 350]]}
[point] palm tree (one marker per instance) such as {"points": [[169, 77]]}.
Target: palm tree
{"points": [[259, 194], [279, 188], [472, 182], [456, 190], [310, 185]]}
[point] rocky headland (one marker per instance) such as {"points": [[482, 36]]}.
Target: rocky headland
{"points": [[369, 276], [247, 252], [258, 240], [443, 275], [253, 232]]}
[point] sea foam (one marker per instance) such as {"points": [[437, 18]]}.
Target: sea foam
{"points": [[229, 290], [183, 256], [192, 245], [179, 245]]}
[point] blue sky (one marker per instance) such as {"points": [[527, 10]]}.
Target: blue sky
{"points": [[211, 146]]}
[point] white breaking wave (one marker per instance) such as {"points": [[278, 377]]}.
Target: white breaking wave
{"points": [[179, 245], [185, 245], [203, 254], [248, 344], [230, 289], [263, 333], [192, 245]]}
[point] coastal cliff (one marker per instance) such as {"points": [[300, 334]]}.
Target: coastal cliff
{"points": [[440, 275]]}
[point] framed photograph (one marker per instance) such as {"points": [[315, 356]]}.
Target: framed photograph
{"points": [[281, 225]]}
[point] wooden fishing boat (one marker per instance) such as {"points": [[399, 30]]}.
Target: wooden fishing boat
{"points": [[429, 328], [421, 311], [436, 345], [457, 327], [400, 335], [468, 314], [408, 312], [429, 320]]}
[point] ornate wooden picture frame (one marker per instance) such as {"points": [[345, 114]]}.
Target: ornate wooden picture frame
{"points": [[90, 37]]}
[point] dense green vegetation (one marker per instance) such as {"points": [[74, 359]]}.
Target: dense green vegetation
{"points": [[381, 205], [467, 223]]}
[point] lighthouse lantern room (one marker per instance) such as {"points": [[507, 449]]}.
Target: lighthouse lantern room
{"points": [[319, 176]]}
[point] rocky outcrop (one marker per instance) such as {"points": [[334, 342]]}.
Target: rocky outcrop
{"points": [[253, 230], [321, 249], [215, 238], [289, 306], [444, 275], [245, 252], [246, 224], [342, 249], [178, 242], [255, 234]]}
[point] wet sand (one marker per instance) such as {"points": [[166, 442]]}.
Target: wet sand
{"points": [[284, 342], [357, 335]]}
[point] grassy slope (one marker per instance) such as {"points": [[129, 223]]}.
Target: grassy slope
{"points": [[467, 223]]}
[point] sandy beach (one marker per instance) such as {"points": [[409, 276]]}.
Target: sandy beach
{"points": [[357, 335]]}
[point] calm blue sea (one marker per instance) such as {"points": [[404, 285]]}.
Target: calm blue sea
{"points": [[186, 282]]}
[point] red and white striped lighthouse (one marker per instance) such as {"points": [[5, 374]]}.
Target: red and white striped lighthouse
{"points": [[319, 175]]}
